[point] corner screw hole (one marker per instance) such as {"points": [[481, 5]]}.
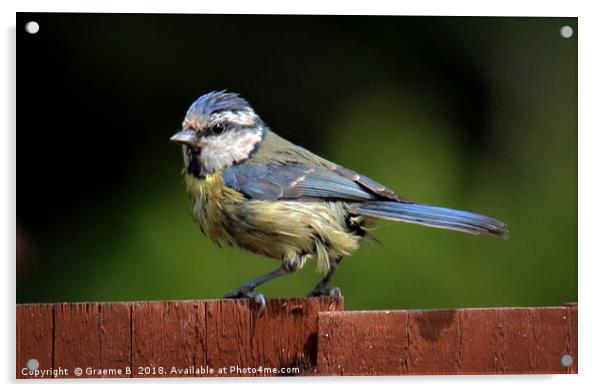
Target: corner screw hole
{"points": [[566, 31], [32, 27], [566, 360], [33, 364]]}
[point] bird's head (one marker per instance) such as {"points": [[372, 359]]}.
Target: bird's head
{"points": [[219, 130]]}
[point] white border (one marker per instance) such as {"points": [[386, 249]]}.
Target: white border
{"points": [[339, 7], [590, 150]]}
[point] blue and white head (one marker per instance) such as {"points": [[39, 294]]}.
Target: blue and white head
{"points": [[219, 130]]}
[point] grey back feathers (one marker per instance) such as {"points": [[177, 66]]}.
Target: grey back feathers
{"points": [[280, 170], [293, 181]]}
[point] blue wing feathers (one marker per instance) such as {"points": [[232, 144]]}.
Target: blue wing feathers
{"points": [[293, 181], [441, 217], [297, 181]]}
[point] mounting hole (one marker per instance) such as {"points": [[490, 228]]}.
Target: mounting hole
{"points": [[33, 364], [32, 27], [566, 360], [566, 31]]}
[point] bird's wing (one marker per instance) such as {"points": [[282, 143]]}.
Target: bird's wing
{"points": [[375, 187], [303, 181]]}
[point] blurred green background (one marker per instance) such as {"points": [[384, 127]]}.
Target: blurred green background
{"points": [[472, 113]]}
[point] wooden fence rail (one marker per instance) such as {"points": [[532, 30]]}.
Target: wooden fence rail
{"points": [[292, 337]]}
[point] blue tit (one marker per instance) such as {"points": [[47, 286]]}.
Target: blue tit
{"points": [[254, 190]]}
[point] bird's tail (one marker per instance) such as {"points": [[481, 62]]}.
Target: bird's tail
{"points": [[444, 218]]}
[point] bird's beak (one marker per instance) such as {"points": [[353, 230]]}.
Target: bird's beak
{"points": [[185, 136]]}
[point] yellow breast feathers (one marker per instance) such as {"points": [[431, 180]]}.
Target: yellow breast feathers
{"points": [[291, 231], [212, 200]]}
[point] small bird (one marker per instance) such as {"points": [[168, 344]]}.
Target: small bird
{"points": [[254, 190]]}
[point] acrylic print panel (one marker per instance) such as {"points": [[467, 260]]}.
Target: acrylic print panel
{"points": [[373, 146]]}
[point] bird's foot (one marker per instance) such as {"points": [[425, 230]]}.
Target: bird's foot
{"points": [[326, 292], [247, 292]]}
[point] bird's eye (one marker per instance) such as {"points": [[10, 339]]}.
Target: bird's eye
{"points": [[218, 128]]}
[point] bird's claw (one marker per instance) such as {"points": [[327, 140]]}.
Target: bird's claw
{"points": [[259, 300], [244, 292], [335, 292], [326, 292]]}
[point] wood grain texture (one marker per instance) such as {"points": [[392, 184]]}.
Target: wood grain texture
{"points": [[34, 337], [228, 334], [77, 336], [167, 338], [116, 337], [172, 338], [314, 336], [93, 337], [455, 341], [572, 346], [241, 342], [277, 347]]}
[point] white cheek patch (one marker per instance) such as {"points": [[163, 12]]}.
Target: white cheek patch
{"points": [[221, 151]]}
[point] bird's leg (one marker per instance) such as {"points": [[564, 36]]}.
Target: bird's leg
{"points": [[322, 289], [247, 290]]}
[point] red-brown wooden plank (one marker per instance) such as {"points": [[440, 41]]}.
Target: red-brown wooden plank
{"points": [[229, 335], [572, 338], [76, 336], [371, 338], [243, 342], [168, 338], [514, 341], [434, 342], [34, 337], [464, 341], [194, 336], [284, 338], [478, 334], [116, 338], [91, 338]]}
